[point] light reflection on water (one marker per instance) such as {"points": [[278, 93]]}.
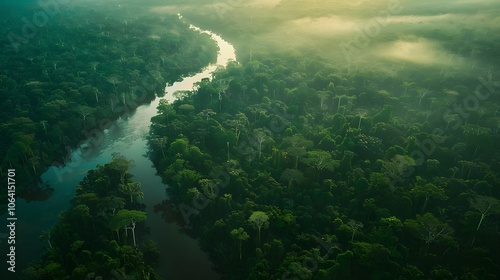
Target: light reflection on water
{"points": [[181, 256]]}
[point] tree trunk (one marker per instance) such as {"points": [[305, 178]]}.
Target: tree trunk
{"points": [[480, 222], [133, 233], [425, 204], [477, 229]]}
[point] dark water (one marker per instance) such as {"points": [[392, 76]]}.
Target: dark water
{"points": [[181, 256]]}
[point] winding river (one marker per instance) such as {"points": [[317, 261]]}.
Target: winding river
{"points": [[181, 256]]}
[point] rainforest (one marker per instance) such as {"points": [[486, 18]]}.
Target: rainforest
{"points": [[278, 139]]}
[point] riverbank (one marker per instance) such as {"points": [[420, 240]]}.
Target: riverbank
{"points": [[126, 136]]}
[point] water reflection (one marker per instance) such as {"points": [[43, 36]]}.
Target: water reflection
{"points": [[180, 255]]}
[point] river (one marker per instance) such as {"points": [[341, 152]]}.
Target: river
{"points": [[180, 255]]}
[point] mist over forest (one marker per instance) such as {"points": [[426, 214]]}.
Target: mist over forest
{"points": [[346, 140], [429, 30]]}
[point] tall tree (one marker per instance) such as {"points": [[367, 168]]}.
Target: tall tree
{"points": [[427, 191], [124, 218], [259, 220], [319, 160], [429, 229], [239, 235], [355, 226], [133, 190], [261, 136], [297, 146], [486, 206], [85, 111]]}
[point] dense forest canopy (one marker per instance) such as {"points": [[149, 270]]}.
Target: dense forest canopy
{"points": [[101, 235], [351, 139], [68, 79], [295, 154], [363, 134]]}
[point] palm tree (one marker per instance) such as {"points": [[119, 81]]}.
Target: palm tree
{"points": [[361, 114], [133, 190]]}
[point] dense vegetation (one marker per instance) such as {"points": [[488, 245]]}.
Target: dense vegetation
{"points": [[289, 167], [320, 155], [100, 235], [75, 74]]}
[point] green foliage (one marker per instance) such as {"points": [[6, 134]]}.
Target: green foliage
{"points": [[276, 150], [81, 71], [82, 241], [125, 217], [391, 174], [259, 220]]}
